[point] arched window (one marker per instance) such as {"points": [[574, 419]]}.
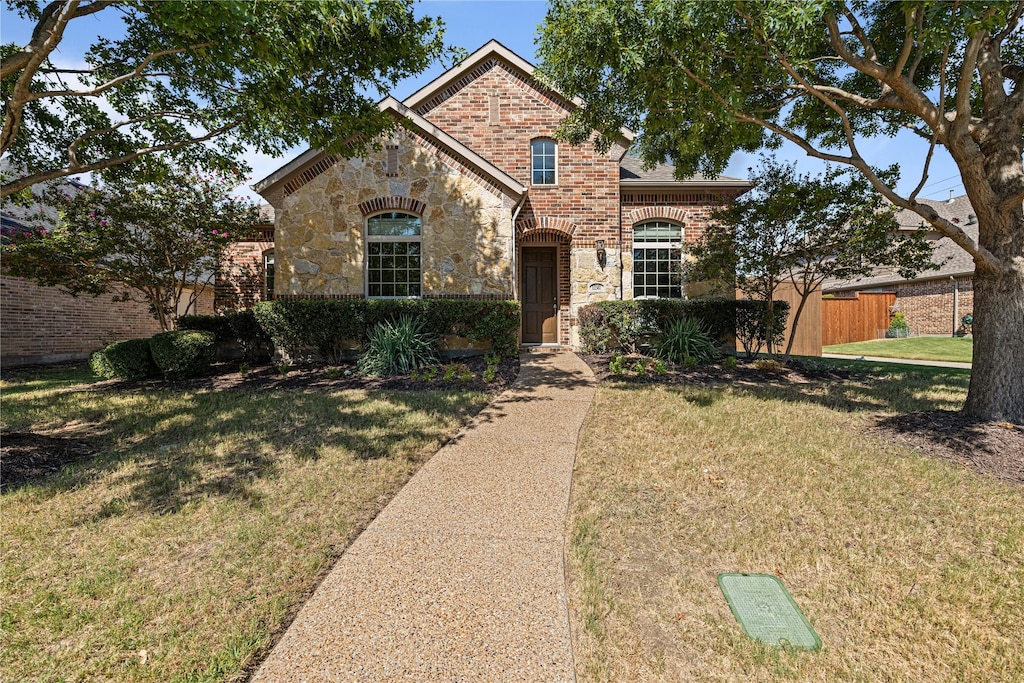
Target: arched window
{"points": [[544, 165], [393, 267], [268, 275], [657, 260]]}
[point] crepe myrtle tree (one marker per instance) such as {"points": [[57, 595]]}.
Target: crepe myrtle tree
{"points": [[205, 80], [156, 243], [704, 79], [804, 229]]}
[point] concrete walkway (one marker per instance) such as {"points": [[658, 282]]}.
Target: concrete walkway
{"points": [[901, 361], [461, 577]]}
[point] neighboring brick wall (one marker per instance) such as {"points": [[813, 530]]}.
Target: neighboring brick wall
{"points": [[928, 306], [240, 277], [44, 325]]}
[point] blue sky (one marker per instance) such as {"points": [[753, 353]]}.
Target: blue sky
{"points": [[471, 23]]}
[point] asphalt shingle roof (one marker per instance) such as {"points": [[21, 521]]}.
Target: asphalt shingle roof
{"points": [[950, 257], [631, 169]]}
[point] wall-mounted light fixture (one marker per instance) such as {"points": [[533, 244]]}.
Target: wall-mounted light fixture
{"points": [[602, 255]]}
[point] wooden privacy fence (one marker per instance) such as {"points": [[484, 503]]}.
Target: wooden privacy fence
{"points": [[856, 318]]}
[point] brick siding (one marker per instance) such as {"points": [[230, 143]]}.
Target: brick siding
{"points": [[45, 325], [928, 306], [240, 278]]}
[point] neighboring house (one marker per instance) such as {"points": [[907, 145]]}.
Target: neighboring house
{"points": [[935, 301], [474, 198], [46, 325]]}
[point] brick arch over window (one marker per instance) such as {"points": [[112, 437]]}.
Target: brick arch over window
{"points": [[378, 204], [545, 227], [664, 213]]}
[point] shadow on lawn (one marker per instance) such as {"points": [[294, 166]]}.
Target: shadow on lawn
{"points": [[223, 443], [896, 390]]}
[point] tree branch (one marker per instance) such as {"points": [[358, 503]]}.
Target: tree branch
{"points": [[137, 72], [29, 180], [1011, 23]]}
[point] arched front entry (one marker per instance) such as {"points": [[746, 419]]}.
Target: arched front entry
{"points": [[543, 273]]}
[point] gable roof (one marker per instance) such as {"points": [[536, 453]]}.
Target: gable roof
{"points": [[951, 258], [492, 49], [309, 159], [632, 174]]}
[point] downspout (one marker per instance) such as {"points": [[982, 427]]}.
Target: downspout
{"points": [[956, 302], [515, 246]]}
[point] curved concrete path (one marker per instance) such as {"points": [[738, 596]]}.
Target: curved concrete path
{"points": [[460, 577]]}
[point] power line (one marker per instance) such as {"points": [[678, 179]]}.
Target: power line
{"points": [[942, 181]]}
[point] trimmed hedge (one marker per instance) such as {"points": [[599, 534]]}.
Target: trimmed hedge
{"points": [[334, 328], [235, 327], [183, 353], [129, 359], [611, 325]]}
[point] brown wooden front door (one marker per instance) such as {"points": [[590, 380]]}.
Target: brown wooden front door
{"points": [[540, 295]]}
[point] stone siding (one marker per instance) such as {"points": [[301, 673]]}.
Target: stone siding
{"points": [[45, 325], [466, 225]]}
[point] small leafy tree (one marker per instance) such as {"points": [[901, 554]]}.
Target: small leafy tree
{"points": [[806, 229], [156, 243]]}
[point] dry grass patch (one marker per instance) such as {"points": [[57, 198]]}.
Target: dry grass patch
{"points": [[908, 567], [185, 544]]}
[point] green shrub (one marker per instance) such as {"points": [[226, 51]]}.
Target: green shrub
{"points": [[595, 330], [130, 359], [397, 348], [659, 367], [752, 325], [183, 353], [729, 362], [898, 327], [332, 327], [100, 366], [234, 327], [686, 338], [616, 364]]}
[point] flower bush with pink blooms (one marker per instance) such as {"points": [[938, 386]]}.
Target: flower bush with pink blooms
{"points": [[159, 241]]}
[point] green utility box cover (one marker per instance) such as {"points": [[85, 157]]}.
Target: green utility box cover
{"points": [[766, 611]]}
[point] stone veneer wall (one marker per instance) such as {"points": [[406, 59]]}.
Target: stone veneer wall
{"points": [[45, 325], [466, 231], [928, 306]]}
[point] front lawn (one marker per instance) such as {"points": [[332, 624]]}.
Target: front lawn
{"points": [[201, 521], [950, 349], [909, 567]]}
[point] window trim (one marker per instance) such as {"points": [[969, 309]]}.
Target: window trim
{"points": [[664, 244], [268, 282], [533, 169], [389, 239]]}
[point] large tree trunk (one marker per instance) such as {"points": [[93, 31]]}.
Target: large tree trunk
{"points": [[997, 377]]}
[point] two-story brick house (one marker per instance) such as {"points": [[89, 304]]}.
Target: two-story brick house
{"points": [[474, 198]]}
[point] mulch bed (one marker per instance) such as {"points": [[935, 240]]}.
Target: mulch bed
{"points": [[27, 457], [992, 447], [995, 448]]}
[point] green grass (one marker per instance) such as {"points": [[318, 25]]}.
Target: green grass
{"points": [[908, 567], [951, 349], [204, 521]]}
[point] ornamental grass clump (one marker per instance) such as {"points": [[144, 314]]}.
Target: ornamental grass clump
{"points": [[686, 341], [397, 348]]}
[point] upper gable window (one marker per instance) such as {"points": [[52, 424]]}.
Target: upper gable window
{"points": [[545, 157]]}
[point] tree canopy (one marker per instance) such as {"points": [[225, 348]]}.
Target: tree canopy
{"points": [[702, 80], [805, 229], [201, 79]]}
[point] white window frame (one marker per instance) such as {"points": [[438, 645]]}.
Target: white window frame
{"points": [[269, 265], [390, 239], [533, 162], [670, 245]]}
